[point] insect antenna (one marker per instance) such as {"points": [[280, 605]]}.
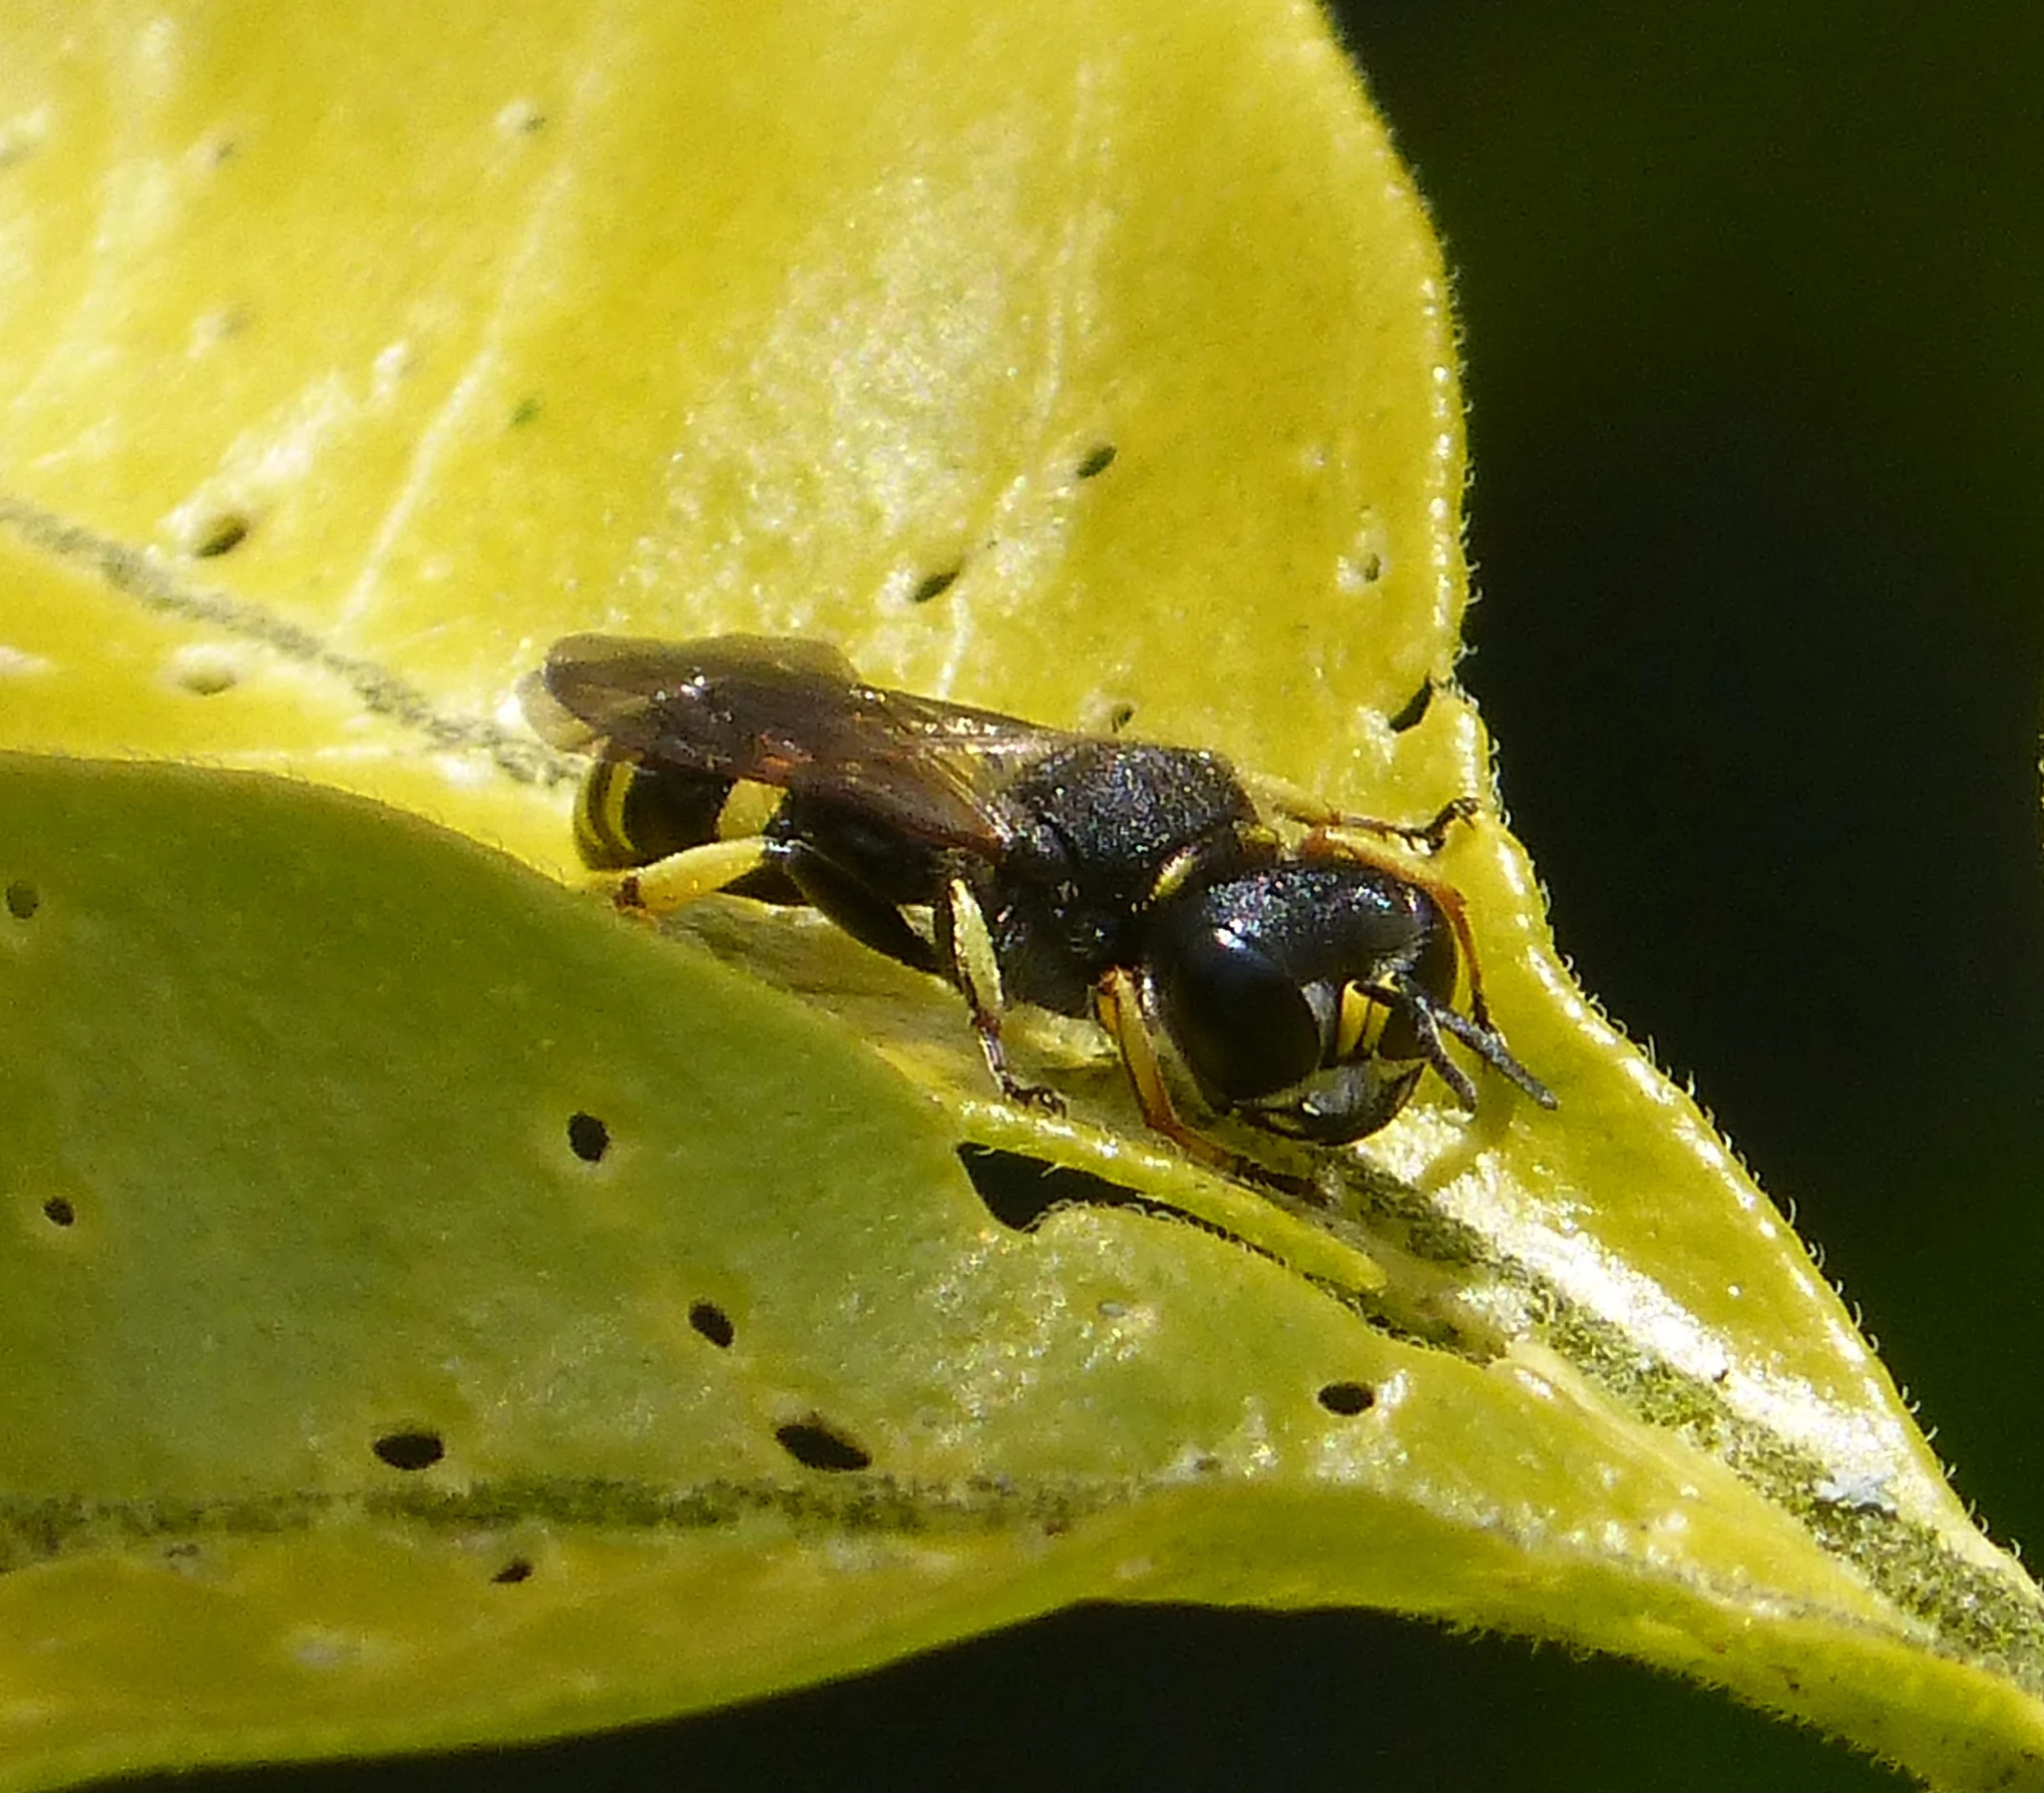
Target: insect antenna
{"points": [[1486, 1043]]}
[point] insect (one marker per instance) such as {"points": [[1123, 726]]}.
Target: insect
{"points": [[1307, 984]]}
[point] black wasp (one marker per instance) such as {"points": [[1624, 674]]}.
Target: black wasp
{"points": [[1305, 986]]}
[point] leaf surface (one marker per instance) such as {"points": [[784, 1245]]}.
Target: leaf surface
{"points": [[359, 1392]]}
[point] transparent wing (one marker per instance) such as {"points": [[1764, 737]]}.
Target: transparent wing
{"points": [[792, 714]]}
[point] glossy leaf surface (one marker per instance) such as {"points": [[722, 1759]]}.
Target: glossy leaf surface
{"points": [[341, 387]]}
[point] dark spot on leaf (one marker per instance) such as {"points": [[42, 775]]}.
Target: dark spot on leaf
{"points": [[23, 899], [524, 411], [1097, 462], [207, 676], [1019, 1190], [410, 1450], [222, 535], [59, 1211], [587, 1138], [714, 1323], [1348, 1397], [1410, 713], [935, 585], [1120, 717], [816, 1446], [517, 1570]]}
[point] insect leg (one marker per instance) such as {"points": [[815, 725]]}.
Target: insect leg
{"points": [[1473, 1030], [1426, 837], [1435, 835], [1118, 1007], [1339, 843], [1301, 807], [694, 872], [963, 932], [855, 906]]}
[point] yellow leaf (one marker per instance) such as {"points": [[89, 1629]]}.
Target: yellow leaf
{"points": [[440, 1311]]}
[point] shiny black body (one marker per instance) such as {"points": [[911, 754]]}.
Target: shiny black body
{"points": [[1307, 987]]}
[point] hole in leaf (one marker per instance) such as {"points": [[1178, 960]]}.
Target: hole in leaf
{"points": [[1409, 714], [1120, 717], [1347, 1398], [23, 899], [1097, 462], [222, 535], [587, 1138], [517, 1570], [935, 585], [59, 1211], [816, 1446], [714, 1323], [1019, 1190], [410, 1450]]}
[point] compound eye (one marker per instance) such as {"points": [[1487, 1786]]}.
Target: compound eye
{"points": [[1244, 1026]]}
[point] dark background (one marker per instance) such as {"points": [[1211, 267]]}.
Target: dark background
{"points": [[1750, 297], [1753, 311]]}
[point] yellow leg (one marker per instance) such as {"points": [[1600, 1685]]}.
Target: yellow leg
{"points": [[1303, 806], [1119, 1008], [680, 878], [976, 968], [1346, 842], [1427, 837]]}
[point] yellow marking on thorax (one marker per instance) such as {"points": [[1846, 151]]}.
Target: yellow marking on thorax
{"points": [[1176, 870], [1254, 837]]}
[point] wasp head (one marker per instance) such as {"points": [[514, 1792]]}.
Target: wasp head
{"points": [[1313, 996]]}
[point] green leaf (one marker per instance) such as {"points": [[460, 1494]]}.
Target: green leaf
{"points": [[440, 1310]]}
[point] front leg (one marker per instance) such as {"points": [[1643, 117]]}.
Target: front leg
{"points": [[1118, 1003], [1324, 819]]}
